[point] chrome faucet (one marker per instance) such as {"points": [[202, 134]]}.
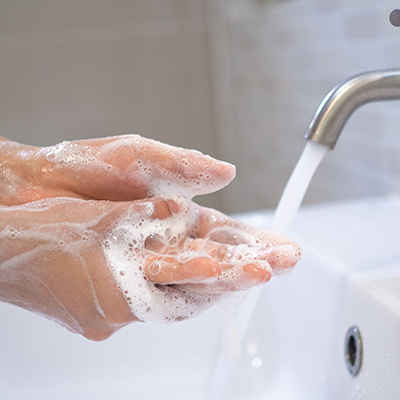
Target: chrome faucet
{"points": [[338, 105]]}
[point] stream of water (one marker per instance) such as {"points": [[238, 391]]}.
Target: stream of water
{"points": [[237, 320]]}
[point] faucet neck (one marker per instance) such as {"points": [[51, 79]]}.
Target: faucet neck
{"points": [[338, 105]]}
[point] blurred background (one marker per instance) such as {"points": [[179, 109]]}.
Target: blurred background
{"points": [[236, 79]]}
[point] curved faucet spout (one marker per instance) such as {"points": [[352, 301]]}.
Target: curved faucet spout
{"points": [[345, 98]]}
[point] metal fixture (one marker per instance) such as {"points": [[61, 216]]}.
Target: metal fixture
{"points": [[394, 18], [344, 99], [353, 350]]}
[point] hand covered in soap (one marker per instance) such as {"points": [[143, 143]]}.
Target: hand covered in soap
{"points": [[121, 168], [95, 265]]}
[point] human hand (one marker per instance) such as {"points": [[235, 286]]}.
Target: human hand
{"points": [[190, 259], [71, 258], [120, 168], [93, 267]]}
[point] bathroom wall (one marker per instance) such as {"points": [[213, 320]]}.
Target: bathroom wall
{"points": [[238, 79], [284, 56], [89, 68]]}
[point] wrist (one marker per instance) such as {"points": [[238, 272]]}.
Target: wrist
{"points": [[18, 172]]}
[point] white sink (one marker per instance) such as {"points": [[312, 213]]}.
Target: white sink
{"points": [[294, 348]]}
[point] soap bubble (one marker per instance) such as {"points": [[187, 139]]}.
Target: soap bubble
{"points": [[155, 242], [229, 235]]}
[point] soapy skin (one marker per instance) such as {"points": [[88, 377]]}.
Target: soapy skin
{"points": [[96, 234]]}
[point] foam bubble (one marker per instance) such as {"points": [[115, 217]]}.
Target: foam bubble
{"points": [[125, 249]]}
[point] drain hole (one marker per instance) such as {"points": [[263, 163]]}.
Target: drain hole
{"points": [[353, 350]]}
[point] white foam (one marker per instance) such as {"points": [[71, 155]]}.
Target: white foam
{"points": [[126, 254]]}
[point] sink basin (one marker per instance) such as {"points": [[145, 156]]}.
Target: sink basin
{"points": [[294, 347]]}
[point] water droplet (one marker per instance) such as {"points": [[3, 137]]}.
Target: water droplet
{"points": [[256, 362]]}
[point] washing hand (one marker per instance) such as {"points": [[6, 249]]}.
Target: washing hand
{"points": [[122, 168], [94, 265]]}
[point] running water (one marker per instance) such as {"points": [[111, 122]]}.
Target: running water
{"points": [[297, 186], [236, 324]]}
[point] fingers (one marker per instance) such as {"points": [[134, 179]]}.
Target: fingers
{"points": [[227, 256], [280, 251], [232, 257], [131, 167], [222, 268], [167, 270], [183, 166], [280, 258], [231, 280], [242, 267], [214, 224], [203, 275], [228, 259]]}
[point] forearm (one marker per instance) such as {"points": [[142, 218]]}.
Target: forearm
{"points": [[51, 262], [29, 250], [21, 173]]}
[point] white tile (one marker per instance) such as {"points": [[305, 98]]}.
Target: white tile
{"points": [[284, 63], [89, 68]]}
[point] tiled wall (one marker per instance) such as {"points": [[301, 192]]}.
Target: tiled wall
{"points": [[238, 79], [72, 69], [284, 58]]}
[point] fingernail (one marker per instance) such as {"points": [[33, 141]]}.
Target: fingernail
{"points": [[257, 274]]}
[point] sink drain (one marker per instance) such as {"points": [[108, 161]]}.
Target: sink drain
{"points": [[353, 350]]}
